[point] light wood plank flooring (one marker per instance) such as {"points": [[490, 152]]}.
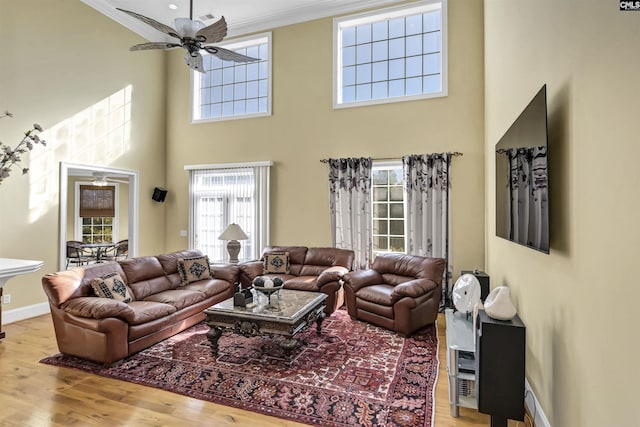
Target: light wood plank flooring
{"points": [[34, 394]]}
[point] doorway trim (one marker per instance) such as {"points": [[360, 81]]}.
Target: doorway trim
{"points": [[134, 192]]}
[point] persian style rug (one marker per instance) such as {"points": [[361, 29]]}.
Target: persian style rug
{"points": [[352, 374]]}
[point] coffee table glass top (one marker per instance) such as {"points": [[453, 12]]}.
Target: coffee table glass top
{"points": [[289, 305]]}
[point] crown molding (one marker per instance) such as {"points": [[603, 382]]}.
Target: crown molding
{"points": [[260, 21], [296, 15]]}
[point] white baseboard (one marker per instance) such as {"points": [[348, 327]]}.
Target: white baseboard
{"points": [[534, 408], [24, 313]]}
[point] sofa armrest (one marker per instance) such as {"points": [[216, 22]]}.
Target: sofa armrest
{"points": [[225, 272], [98, 308], [413, 288], [331, 274], [361, 278], [249, 271]]}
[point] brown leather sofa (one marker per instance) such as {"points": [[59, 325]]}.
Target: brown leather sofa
{"points": [[107, 330], [400, 292], [311, 269]]}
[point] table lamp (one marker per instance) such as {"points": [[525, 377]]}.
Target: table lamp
{"points": [[233, 233]]}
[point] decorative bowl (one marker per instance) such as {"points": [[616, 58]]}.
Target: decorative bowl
{"points": [[267, 291]]}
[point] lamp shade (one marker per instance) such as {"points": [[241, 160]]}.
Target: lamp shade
{"points": [[233, 232]]}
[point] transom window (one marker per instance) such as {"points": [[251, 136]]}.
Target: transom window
{"points": [[230, 90], [394, 54], [387, 200]]}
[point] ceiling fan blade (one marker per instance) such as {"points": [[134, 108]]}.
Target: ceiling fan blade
{"points": [[117, 180], [155, 24], [154, 45], [214, 32], [229, 55]]}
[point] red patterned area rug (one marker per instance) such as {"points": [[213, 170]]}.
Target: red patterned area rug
{"points": [[352, 374]]}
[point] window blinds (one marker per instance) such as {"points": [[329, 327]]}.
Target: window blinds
{"points": [[225, 194], [97, 201]]}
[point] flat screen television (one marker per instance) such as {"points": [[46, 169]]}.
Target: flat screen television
{"points": [[522, 178]]}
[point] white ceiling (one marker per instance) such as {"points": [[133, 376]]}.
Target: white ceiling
{"points": [[242, 16]]}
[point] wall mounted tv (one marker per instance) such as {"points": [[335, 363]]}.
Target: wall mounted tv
{"points": [[522, 178]]}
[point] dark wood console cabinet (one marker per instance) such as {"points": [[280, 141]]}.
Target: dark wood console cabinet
{"points": [[500, 351]]}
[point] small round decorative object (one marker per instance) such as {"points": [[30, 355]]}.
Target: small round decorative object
{"points": [[466, 293], [258, 281], [277, 281], [268, 283], [498, 304]]}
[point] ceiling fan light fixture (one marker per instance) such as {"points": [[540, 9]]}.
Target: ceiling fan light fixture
{"points": [[193, 36]]}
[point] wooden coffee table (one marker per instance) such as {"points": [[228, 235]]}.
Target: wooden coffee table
{"points": [[287, 315]]}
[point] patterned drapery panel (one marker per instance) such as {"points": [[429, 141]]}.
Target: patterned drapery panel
{"points": [[350, 206], [428, 225]]}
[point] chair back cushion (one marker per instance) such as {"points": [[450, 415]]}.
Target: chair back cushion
{"points": [[145, 276], [319, 259], [398, 268]]}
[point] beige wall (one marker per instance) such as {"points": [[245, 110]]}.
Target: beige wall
{"points": [[67, 67], [579, 302], [305, 129]]}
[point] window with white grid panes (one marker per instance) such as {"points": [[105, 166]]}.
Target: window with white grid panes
{"points": [[387, 202], [97, 230], [231, 90], [390, 55]]}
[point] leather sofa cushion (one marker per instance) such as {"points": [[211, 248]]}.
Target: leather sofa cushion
{"points": [[377, 294], [179, 298], [142, 268], [207, 287], [302, 283], [328, 257], [134, 313], [146, 311], [99, 308], [145, 276]]}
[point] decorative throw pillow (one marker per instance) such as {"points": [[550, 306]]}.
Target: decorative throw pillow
{"points": [[194, 269], [276, 263], [112, 286]]}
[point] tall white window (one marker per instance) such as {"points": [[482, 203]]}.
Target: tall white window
{"points": [[389, 55], [387, 200], [231, 90], [229, 193]]}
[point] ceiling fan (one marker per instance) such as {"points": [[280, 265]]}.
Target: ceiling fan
{"points": [[193, 36], [100, 179]]}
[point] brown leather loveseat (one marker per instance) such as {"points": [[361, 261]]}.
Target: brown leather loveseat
{"points": [[400, 292], [106, 330], [310, 269]]}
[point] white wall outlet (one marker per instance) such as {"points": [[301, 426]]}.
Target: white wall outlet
{"points": [[183, 233], [6, 299]]}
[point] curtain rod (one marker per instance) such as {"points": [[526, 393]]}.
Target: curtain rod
{"points": [[453, 154]]}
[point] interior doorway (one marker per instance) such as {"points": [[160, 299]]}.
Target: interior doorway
{"points": [[70, 171]]}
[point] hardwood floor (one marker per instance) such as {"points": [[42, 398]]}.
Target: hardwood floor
{"points": [[34, 394]]}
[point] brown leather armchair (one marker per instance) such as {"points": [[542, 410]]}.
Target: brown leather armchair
{"points": [[400, 292]]}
